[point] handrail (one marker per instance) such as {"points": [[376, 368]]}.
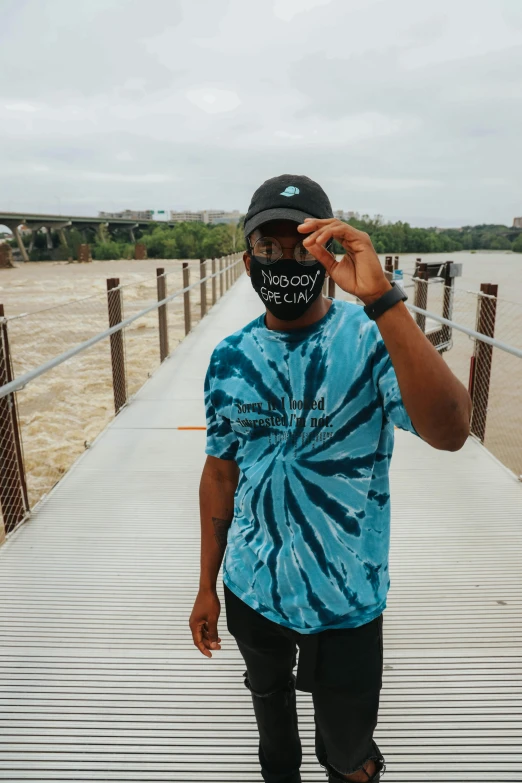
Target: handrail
{"points": [[471, 332], [120, 287], [19, 383]]}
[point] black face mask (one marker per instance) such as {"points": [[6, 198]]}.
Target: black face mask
{"points": [[287, 288]]}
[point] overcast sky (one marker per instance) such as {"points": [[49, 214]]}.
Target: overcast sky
{"points": [[402, 108]]}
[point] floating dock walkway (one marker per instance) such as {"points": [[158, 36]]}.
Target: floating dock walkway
{"points": [[100, 680]]}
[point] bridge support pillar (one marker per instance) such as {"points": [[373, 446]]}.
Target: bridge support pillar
{"points": [[132, 234], [14, 228]]}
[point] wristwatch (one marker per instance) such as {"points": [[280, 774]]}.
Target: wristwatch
{"points": [[387, 300]]}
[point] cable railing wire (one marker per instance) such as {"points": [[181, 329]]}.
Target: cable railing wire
{"points": [[50, 413]]}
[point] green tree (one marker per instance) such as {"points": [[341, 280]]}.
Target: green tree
{"points": [[517, 244], [500, 243], [106, 251]]}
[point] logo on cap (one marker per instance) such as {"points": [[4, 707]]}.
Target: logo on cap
{"points": [[290, 190]]}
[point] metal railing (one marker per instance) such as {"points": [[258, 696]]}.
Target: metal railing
{"points": [[490, 367], [51, 411]]}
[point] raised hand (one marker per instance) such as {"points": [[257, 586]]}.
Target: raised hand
{"points": [[359, 272]]}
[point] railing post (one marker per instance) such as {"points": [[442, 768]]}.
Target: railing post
{"points": [[420, 294], [162, 314], [14, 500], [441, 336], [203, 285], [396, 262], [213, 280], [221, 280], [388, 268], [480, 368], [447, 302], [186, 296], [119, 381]]}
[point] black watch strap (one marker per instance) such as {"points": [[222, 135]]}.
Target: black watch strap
{"points": [[387, 300]]}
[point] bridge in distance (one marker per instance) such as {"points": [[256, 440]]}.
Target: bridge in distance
{"points": [[35, 222]]}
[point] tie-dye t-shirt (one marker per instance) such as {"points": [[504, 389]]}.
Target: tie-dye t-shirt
{"points": [[308, 415]]}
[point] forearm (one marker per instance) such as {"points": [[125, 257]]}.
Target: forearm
{"points": [[216, 501], [437, 402]]}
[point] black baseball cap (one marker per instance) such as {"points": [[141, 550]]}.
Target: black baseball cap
{"points": [[287, 197]]}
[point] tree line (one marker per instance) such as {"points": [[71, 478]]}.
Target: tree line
{"points": [[400, 237], [201, 240]]}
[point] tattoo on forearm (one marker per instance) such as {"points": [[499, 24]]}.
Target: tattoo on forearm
{"points": [[221, 527]]}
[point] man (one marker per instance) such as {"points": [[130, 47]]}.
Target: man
{"points": [[301, 407]]}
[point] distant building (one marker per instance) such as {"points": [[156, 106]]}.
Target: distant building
{"points": [[220, 216], [129, 214], [517, 222], [186, 217], [340, 214], [206, 216]]}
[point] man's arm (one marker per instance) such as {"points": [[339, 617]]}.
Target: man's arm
{"points": [[216, 502], [436, 401]]}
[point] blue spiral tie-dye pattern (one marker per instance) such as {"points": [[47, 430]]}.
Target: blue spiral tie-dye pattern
{"points": [[308, 415]]}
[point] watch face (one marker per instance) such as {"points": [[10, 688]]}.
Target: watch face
{"points": [[399, 284]]}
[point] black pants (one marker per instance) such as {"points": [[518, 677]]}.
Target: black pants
{"points": [[341, 668]]}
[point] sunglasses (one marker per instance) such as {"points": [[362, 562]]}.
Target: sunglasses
{"points": [[267, 250]]}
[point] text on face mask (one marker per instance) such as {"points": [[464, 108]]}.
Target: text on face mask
{"points": [[302, 281]]}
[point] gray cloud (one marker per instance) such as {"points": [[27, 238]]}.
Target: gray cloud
{"points": [[406, 109]]}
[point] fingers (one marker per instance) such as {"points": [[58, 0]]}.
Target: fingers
{"points": [[340, 231], [331, 227], [313, 223], [323, 255], [203, 641], [211, 637], [197, 635]]}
